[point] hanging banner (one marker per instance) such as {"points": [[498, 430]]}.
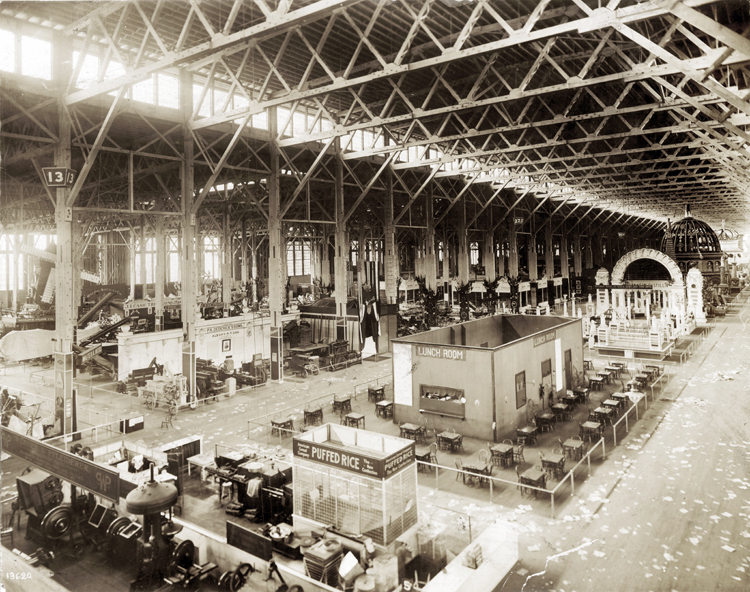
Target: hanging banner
{"points": [[79, 471]]}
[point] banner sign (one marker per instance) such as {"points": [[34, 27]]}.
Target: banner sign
{"points": [[545, 338], [79, 471], [129, 307], [353, 461], [446, 353]]}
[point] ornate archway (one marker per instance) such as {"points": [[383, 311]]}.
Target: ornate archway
{"points": [[618, 273]]}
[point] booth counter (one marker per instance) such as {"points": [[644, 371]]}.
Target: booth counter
{"points": [[477, 377]]}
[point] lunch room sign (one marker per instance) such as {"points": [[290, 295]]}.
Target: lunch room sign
{"points": [[446, 353]]}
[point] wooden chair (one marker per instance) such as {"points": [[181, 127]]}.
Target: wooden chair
{"points": [[560, 468], [422, 436], [433, 453], [508, 441], [518, 454], [484, 456], [459, 444], [460, 474], [7, 528], [167, 421]]}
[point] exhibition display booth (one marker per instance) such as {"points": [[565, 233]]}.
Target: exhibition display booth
{"points": [[358, 482], [476, 377], [239, 338]]}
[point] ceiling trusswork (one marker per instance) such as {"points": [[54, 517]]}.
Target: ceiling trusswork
{"points": [[589, 112]]}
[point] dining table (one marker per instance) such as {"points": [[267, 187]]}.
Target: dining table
{"points": [[283, 427], [604, 414], [588, 364], [655, 370], [615, 370], [376, 393], [478, 472], [560, 409], [622, 398], [528, 433], [582, 393], [546, 420], [448, 440], [613, 404], [423, 455], [589, 429], [570, 399], [573, 448], [535, 478], [605, 375], [410, 431], [384, 408], [355, 420], [342, 403], [596, 384], [502, 454], [554, 463], [313, 416], [643, 378]]}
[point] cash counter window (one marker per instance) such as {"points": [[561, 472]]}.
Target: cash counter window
{"points": [[442, 400]]}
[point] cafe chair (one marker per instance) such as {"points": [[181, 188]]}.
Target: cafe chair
{"points": [[422, 435], [484, 456], [433, 453], [7, 528], [518, 454], [560, 468], [518, 474], [342, 417], [508, 441], [459, 444], [460, 474]]}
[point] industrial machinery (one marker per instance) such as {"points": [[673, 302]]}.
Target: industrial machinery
{"points": [[159, 556], [304, 364], [234, 580]]}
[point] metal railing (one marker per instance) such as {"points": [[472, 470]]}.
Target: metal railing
{"points": [[499, 482]]}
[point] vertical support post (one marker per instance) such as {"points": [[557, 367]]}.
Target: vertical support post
{"points": [[488, 245], [342, 249], [254, 267], [275, 256], [159, 272], [226, 259], [143, 279], [564, 256], [513, 246], [243, 253], [65, 309], [430, 260], [188, 271], [463, 244], [549, 252], [390, 258]]}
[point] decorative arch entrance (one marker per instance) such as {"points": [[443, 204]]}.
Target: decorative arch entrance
{"points": [[618, 273], [648, 296]]}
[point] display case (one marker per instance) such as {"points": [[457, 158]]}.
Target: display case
{"points": [[355, 482]]}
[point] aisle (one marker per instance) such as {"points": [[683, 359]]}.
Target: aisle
{"points": [[672, 513]]}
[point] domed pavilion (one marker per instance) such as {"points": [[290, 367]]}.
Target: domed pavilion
{"points": [[693, 243]]}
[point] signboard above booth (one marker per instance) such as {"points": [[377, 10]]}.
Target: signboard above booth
{"points": [[364, 453]]}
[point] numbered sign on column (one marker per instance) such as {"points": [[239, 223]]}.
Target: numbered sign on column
{"points": [[59, 176]]}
